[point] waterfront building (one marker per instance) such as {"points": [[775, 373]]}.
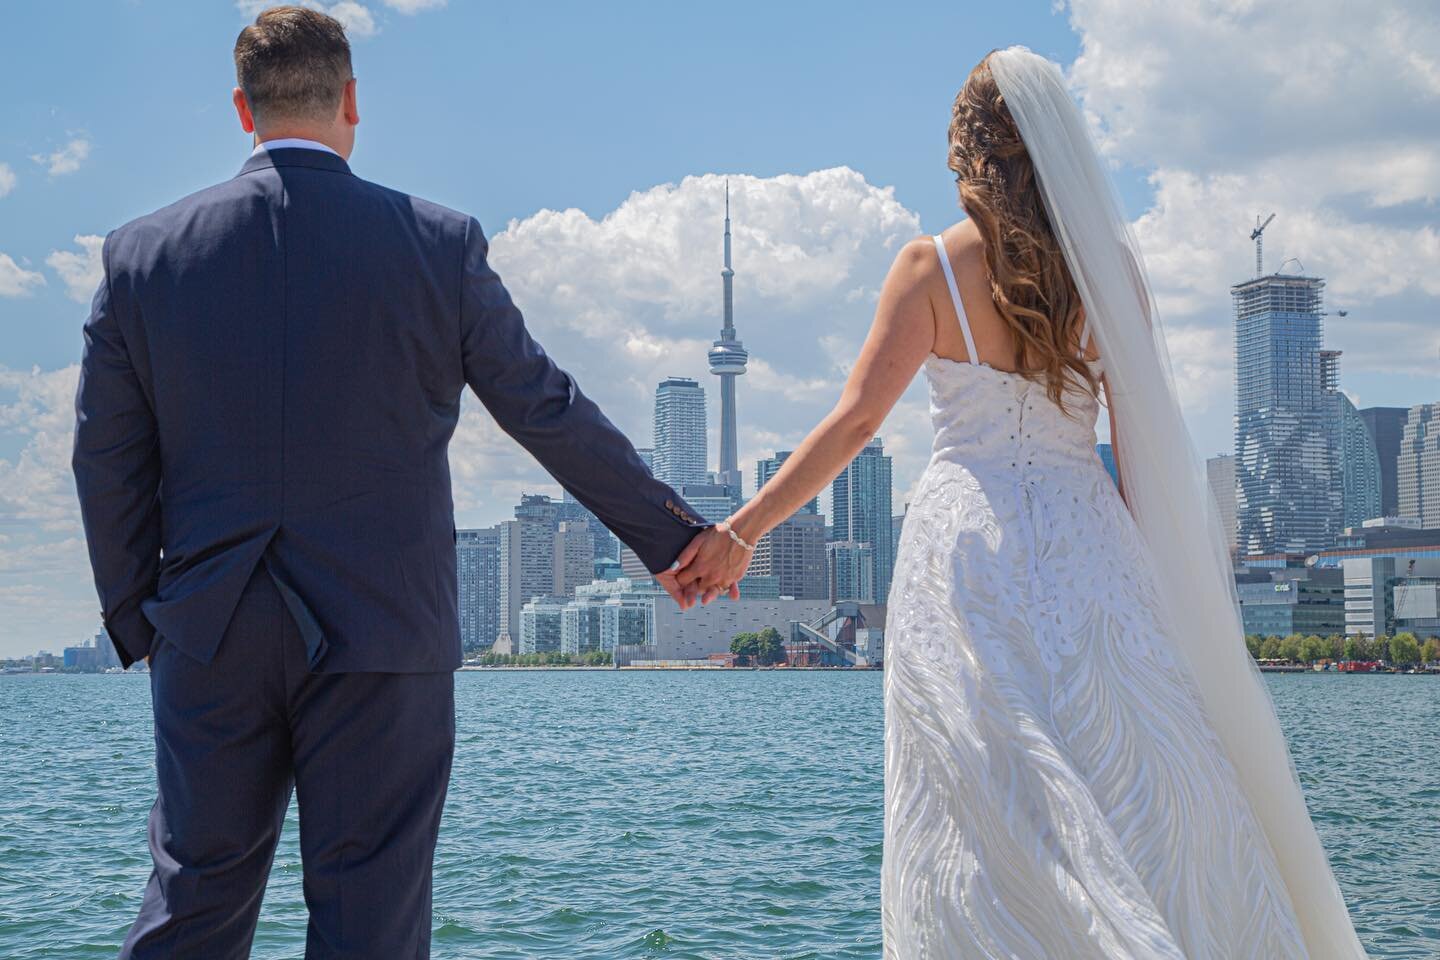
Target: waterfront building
{"points": [[727, 361], [1361, 479], [574, 557], [1377, 557], [1386, 426], [477, 565], [1287, 495], [702, 630], [794, 553], [527, 561], [713, 501], [1279, 602], [768, 467], [862, 504], [605, 543], [608, 614], [897, 527], [679, 432], [85, 658], [540, 623], [1417, 606], [759, 587], [1355, 464], [582, 625], [1220, 472], [631, 566], [1418, 465], [852, 571]]}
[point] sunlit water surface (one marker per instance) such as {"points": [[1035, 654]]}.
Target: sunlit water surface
{"points": [[677, 815]]}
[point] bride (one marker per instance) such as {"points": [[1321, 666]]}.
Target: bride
{"points": [[1081, 759]]}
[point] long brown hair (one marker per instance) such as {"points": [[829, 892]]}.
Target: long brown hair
{"points": [[1029, 281]]}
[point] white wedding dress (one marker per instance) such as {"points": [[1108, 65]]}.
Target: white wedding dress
{"points": [[1053, 785]]}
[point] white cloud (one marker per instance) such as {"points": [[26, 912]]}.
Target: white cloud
{"points": [[82, 271], [1331, 120], [7, 179], [414, 6], [65, 160], [15, 280], [355, 17], [634, 296], [47, 595]]}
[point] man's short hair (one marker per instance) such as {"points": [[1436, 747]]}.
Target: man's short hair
{"points": [[293, 63]]}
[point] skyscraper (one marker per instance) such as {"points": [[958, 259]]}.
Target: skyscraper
{"points": [[477, 556], [1386, 425], [727, 361], [1286, 483], [767, 468], [861, 499], [574, 557], [605, 543], [852, 571], [1220, 471], [527, 563], [679, 432], [794, 553], [1418, 468], [1360, 477]]}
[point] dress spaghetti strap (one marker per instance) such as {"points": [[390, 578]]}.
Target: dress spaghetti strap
{"points": [[955, 299]]}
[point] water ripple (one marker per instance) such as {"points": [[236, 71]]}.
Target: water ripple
{"points": [[656, 815]]}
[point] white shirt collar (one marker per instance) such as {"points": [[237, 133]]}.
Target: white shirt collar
{"points": [[291, 143]]}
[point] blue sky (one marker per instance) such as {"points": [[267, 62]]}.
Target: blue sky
{"points": [[619, 120], [496, 109]]}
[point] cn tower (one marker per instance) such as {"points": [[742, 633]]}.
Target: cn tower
{"points": [[727, 361]]}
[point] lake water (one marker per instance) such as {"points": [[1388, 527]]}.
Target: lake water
{"points": [[668, 815]]}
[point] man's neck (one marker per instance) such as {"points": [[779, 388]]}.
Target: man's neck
{"points": [[313, 139]]}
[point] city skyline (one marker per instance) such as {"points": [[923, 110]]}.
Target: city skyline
{"points": [[612, 261]]}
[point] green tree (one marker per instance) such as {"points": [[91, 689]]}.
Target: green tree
{"points": [[769, 648], [1382, 647], [1365, 647], [1404, 648], [1352, 648], [1314, 648], [1430, 652], [1337, 646], [1291, 646], [1270, 648], [1253, 642], [745, 646]]}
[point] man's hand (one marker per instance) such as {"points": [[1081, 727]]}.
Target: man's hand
{"points": [[671, 583], [712, 564]]}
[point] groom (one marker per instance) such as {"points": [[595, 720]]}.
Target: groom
{"points": [[272, 373]]}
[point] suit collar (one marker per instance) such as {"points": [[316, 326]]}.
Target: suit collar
{"points": [[295, 157]]}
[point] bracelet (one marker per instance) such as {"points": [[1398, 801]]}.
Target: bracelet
{"points": [[725, 525]]}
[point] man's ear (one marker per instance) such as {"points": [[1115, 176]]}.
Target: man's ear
{"points": [[349, 104], [242, 107]]}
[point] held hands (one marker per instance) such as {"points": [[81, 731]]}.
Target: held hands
{"points": [[711, 564]]}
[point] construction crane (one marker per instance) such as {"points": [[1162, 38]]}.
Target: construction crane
{"points": [[1256, 235]]}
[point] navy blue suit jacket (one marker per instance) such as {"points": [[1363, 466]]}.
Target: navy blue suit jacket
{"points": [[272, 373]]}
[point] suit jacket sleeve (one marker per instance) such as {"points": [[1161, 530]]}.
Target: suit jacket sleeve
{"points": [[542, 407], [116, 460]]}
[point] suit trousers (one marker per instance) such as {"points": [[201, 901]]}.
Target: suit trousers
{"points": [[367, 755]]}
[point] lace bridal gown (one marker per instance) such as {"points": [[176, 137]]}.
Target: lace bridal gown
{"points": [[1053, 788]]}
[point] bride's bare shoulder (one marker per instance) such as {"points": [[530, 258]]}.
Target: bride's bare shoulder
{"points": [[918, 261]]}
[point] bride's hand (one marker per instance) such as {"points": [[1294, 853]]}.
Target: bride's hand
{"points": [[712, 564]]}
